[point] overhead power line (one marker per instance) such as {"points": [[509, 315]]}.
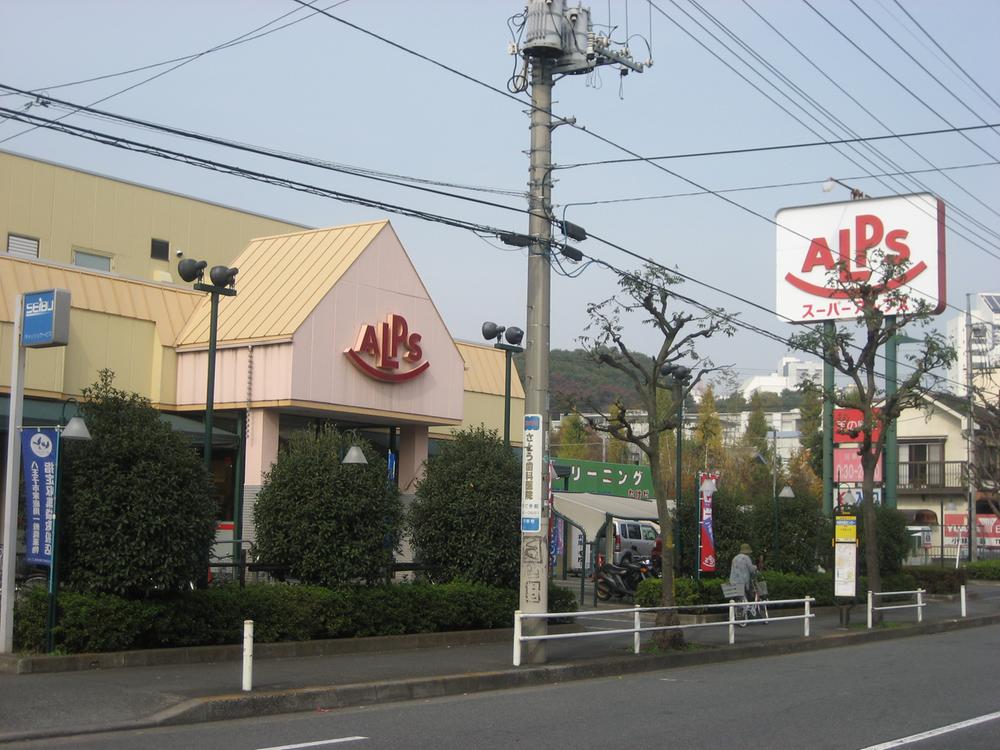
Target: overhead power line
{"points": [[477, 228], [820, 121], [384, 177], [781, 147], [562, 120]]}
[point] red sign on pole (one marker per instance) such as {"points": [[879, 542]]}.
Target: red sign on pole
{"points": [[847, 467], [707, 482], [847, 424]]}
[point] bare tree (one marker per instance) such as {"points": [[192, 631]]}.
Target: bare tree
{"points": [[648, 294], [984, 465], [853, 349]]}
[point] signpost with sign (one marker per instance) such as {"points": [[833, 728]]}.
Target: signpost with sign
{"points": [[845, 547], [823, 250], [41, 319], [814, 241], [531, 475], [602, 478]]}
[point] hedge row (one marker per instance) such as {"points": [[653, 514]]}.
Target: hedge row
{"points": [[984, 570], [694, 592], [104, 622]]}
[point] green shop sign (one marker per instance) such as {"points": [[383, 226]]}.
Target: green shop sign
{"points": [[621, 480]]}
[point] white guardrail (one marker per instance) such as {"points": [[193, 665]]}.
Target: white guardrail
{"points": [[637, 629], [919, 604]]}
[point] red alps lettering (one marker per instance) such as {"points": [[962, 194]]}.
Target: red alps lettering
{"points": [[853, 244], [379, 348]]}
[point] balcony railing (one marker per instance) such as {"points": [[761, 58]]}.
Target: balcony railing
{"points": [[915, 475]]}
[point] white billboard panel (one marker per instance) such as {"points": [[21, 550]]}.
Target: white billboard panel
{"points": [[822, 248]]}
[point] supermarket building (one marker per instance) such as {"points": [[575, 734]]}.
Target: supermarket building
{"points": [[328, 325]]}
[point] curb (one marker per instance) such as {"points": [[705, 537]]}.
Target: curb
{"points": [[297, 700], [43, 663]]}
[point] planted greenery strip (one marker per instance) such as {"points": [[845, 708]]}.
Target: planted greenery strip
{"points": [[105, 622]]}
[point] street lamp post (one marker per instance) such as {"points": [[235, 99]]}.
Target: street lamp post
{"points": [[785, 494], [75, 429], [223, 279], [681, 376], [513, 336]]}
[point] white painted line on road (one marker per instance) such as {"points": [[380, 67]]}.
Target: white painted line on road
{"points": [[317, 743], [935, 732]]}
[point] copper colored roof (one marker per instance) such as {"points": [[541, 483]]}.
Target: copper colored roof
{"points": [[281, 280]]}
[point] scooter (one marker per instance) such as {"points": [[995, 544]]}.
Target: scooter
{"points": [[620, 580]]}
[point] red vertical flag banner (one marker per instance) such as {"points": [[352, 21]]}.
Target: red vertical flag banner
{"points": [[707, 482]]}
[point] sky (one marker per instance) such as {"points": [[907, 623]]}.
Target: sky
{"points": [[333, 90]]}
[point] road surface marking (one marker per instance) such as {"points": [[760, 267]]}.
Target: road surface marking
{"points": [[317, 743], [935, 732]]}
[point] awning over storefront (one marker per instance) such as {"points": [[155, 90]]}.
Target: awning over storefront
{"points": [[589, 511], [39, 413]]}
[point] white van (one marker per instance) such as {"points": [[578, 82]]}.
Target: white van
{"points": [[632, 539]]}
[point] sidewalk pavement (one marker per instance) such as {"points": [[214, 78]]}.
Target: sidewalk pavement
{"points": [[354, 672]]}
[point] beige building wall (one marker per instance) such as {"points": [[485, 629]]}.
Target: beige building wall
{"points": [[67, 209], [484, 393], [934, 424], [126, 325]]}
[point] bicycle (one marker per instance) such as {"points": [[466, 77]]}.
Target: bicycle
{"points": [[746, 609]]}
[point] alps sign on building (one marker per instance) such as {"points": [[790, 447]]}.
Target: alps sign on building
{"points": [[823, 250]]}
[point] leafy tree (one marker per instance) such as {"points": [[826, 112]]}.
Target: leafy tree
{"points": [[708, 431], [464, 519], [648, 294], [136, 512], [811, 434], [329, 523], [853, 349], [756, 435], [805, 483], [574, 439]]}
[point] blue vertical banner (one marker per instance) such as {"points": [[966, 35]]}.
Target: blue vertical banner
{"points": [[40, 454]]}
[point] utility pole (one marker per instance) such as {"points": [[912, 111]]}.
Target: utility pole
{"points": [[557, 40], [534, 593], [970, 432]]}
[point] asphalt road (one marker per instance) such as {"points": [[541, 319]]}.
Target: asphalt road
{"points": [[845, 699]]}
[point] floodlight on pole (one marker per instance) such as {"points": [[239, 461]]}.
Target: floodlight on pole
{"points": [[513, 337], [223, 281], [832, 182]]}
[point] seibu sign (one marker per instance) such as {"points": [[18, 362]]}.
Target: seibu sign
{"points": [[388, 351], [823, 250]]}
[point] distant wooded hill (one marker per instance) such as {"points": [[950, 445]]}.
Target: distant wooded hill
{"points": [[578, 382]]}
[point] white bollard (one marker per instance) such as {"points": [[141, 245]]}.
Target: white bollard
{"points": [[517, 638], [247, 655], [920, 605], [732, 622], [869, 609], [805, 621], [637, 625], [963, 600]]}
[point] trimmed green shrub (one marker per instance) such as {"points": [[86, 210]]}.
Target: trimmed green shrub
{"points": [[136, 515], [894, 541], [328, 523], [984, 570], [561, 599], [464, 519], [694, 592], [937, 580], [104, 622]]}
